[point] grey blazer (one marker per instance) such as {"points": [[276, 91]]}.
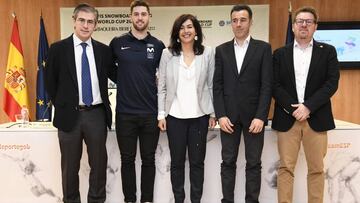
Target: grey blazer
{"points": [[168, 80]]}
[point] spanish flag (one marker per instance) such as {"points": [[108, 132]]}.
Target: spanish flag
{"points": [[15, 88]]}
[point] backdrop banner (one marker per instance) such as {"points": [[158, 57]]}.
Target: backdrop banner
{"points": [[215, 21]]}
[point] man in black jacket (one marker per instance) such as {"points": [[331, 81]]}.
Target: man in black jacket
{"points": [[76, 80], [242, 94], [306, 75]]}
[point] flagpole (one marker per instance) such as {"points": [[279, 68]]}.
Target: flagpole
{"points": [[289, 33], [290, 7]]}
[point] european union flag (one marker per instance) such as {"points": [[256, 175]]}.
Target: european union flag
{"points": [[289, 32], [43, 104]]}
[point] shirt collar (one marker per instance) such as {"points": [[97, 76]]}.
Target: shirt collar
{"points": [[182, 62], [246, 42], [78, 41], [297, 45], [146, 39]]}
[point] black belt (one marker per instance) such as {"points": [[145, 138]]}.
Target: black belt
{"points": [[87, 108]]}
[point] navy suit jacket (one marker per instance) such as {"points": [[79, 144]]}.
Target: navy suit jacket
{"points": [[321, 84], [62, 85]]}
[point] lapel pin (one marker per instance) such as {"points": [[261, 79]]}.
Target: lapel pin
{"points": [[321, 46]]}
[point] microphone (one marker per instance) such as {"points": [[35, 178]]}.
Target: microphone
{"points": [[14, 124]]}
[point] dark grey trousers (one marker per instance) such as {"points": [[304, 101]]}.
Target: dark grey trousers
{"points": [[90, 128]]}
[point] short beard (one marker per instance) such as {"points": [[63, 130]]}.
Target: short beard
{"points": [[140, 29]]}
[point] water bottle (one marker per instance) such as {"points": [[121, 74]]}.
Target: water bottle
{"points": [[25, 115]]}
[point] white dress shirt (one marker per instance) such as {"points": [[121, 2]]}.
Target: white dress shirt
{"points": [[240, 51], [185, 104], [93, 74], [302, 59]]}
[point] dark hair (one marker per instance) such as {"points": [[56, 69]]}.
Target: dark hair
{"points": [[240, 7], [306, 9], [139, 3], [175, 46], [86, 8]]}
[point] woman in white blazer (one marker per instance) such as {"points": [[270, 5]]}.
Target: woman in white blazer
{"points": [[185, 103]]}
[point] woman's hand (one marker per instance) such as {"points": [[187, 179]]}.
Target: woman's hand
{"points": [[162, 124]]}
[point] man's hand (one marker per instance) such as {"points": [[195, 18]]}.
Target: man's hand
{"points": [[301, 113], [256, 126], [226, 125], [212, 122], [162, 124]]}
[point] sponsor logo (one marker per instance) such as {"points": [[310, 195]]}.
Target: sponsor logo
{"points": [[221, 23], [339, 145], [150, 50], [206, 23]]}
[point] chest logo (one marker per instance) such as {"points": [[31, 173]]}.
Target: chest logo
{"points": [[123, 48], [150, 50]]}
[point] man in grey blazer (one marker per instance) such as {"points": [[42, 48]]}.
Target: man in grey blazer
{"points": [[242, 95]]}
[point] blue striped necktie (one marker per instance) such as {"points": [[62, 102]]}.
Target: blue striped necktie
{"points": [[87, 96]]}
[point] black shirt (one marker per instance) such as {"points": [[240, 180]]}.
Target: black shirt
{"points": [[137, 61]]}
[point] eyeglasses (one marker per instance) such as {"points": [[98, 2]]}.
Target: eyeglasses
{"points": [[82, 21], [306, 21]]}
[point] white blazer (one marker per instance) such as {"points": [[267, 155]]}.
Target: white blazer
{"points": [[169, 75]]}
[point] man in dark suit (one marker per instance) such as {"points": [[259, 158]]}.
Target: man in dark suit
{"points": [[306, 75], [242, 94], [76, 79]]}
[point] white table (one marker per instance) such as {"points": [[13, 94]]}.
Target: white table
{"points": [[30, 167]]}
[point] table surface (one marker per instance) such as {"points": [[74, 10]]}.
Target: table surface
{"points": [[47, 126]]}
